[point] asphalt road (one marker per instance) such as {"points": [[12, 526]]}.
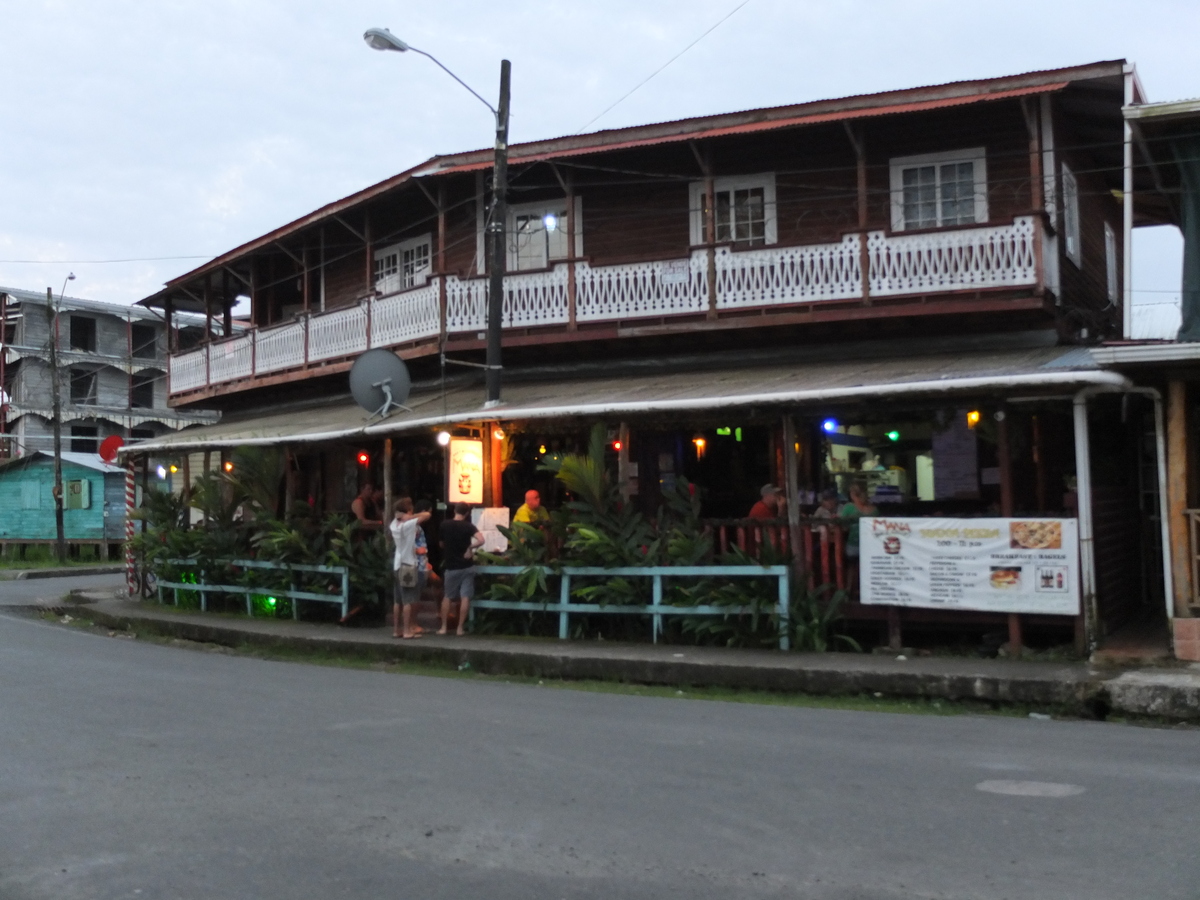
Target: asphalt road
{"points": [[49, 590], [130, 770]]}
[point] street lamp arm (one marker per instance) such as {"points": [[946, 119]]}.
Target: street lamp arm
{"points": [[456, 78]]}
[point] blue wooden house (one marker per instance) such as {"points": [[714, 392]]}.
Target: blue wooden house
{"points": [[93, 501]]}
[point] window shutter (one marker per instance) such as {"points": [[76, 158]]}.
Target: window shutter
{"points": [[31, 495], [78, 494], [1070, 190]]}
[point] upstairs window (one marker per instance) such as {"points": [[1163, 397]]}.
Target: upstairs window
{"points": [[537, 234], [939, 190], [1070, 192], [83, 387], [744, 208], [84, 438], [141, 390], [144, 339], [404, 265], [83, 333]]}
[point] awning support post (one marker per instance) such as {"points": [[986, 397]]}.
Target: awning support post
{"points": [[1083, 491]]}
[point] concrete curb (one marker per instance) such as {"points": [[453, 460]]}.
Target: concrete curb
{"points": [[1076, 689], [65, 572]]}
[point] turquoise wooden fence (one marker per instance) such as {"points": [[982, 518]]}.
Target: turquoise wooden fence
{"points": [[655, 609], [204, 588]]}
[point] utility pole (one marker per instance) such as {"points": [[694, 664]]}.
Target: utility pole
{"points": [[60, 540], [495, 310]]}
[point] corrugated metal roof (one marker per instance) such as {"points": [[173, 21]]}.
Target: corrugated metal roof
{"points": [[87, 460], [120, 310], [815, 383], [814, 112]]}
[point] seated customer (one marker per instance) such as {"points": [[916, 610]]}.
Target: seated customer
{"points": [[769, 506], [531, 511]]}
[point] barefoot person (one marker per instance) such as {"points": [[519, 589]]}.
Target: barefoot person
{"points": [[404, 528], [460, 540]]}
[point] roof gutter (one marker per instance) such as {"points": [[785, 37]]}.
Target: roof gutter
{"points": [[1078, 379]]}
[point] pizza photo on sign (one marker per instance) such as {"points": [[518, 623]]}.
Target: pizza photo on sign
{"points": [[1006, 578], [1039, 535]]}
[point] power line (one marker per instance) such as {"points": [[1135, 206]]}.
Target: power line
{"points": [[97, 262], [664, 65]]}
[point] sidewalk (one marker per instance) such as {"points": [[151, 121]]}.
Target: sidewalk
{"points": [[1071, 688]]}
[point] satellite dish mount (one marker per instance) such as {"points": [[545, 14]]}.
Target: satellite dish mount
{"points": [[389, 402], [380, 383]]}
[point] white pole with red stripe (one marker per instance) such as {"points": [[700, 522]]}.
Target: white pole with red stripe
{"points": [[131, 579]]}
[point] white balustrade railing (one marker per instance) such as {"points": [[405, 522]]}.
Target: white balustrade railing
{"points": [[782, 275], [281, 347], [530, 299], [337, 333], [232, 359], [405, 317], [664, 287], [998, 256], [188, 371]]}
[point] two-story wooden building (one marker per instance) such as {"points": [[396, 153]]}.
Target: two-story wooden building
{"points": [[898, 288]]}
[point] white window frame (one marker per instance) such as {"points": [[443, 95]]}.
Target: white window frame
{"points": [[539, 209], [764, 180], [1110, 262], [975, 155], [1072, 242], [398, 250]]}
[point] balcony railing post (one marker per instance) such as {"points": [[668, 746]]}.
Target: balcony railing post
{"points": [[370, 308], [306, 318], [253, 351], [207, 364], [441, 279]]}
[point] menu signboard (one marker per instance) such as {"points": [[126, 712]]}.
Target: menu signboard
{"points": [[993, 565]]}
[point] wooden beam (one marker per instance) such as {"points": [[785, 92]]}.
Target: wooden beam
{"points": [[354, 231], [496, 448], [1177, 491], [389, 489], [1004, 461], [248, 282], [436, 201], [1032, 110], [293, 256]]}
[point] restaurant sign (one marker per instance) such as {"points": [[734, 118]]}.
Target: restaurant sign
{"points": [[466, 471], [992, 565]]}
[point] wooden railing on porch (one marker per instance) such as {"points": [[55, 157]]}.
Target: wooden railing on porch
{"points": [[822, 545]]}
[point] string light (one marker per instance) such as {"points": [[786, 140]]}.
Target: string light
{"points": [[443, 438]]}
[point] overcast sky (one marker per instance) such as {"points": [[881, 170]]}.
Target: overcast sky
{"points": [[182, 128]]}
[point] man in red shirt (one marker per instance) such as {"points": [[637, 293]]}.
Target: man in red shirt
{"points": [[769, 506]]}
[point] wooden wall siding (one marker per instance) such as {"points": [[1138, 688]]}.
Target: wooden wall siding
{"points": [[344, 281], [18, 522], [635, 222]]}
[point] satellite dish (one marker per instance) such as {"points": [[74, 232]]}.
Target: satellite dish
{"points": [[109, 447], [379, 382]]}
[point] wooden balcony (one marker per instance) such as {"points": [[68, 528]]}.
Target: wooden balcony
{"points": [[576, 294]]}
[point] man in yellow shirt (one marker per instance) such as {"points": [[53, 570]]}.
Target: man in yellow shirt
{"points": [[532, 512]]}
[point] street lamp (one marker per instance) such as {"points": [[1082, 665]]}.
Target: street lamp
{"points": [[60, 539], [382, 39]]}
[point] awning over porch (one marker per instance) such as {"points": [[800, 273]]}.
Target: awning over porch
{"points": [[630, 388]]}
